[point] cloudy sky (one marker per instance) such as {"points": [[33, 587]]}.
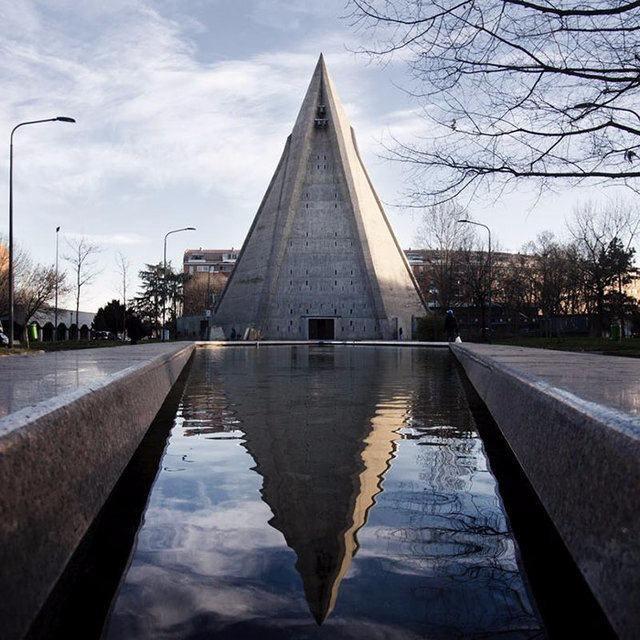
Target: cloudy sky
{"points": [[183, 107]]}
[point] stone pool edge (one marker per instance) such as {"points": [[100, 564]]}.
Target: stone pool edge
{"points": [[59, 461], [583, 461]]}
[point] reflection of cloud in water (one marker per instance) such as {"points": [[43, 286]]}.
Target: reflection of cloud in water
{"points": [[426, 554]]}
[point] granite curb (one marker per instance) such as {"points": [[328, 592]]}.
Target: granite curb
{"points": [[59, 460], [583, 460]]}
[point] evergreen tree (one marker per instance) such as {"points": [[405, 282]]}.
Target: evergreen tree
{"points": [[110, 317]]}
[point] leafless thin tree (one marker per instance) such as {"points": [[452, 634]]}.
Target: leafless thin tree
{"points": [[82, 255], [123, 265], [440, 232], [35, 283], [603, 237], [515, 88]]}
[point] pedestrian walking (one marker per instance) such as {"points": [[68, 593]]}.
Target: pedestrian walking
{"points": [[451, 326]]}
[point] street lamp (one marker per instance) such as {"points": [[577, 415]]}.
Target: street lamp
{"points": [[11, 296], [484, 226], [164, 273]]}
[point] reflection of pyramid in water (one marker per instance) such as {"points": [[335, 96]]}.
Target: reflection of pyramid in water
{"points": [[322, 450]]}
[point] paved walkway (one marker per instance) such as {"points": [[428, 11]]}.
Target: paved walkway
{"points": [[610, 381], [27, 380]]}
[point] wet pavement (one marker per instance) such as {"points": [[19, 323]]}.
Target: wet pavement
{"points": [[324, 492], [611, 381], [28, 380]]}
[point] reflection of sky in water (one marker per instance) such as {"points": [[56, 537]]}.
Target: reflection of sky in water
{"points": [[343, 484]]}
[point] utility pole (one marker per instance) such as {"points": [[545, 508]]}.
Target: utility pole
{"points": [[55, 313]]}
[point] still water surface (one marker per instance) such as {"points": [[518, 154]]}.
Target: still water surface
{"points": [[324, 492]]}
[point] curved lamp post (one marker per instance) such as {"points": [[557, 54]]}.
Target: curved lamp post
{"points": [[11, 296], [479, 224], [164, 273]]}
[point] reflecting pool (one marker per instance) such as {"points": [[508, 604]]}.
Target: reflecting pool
{"points": [[324, 492]]}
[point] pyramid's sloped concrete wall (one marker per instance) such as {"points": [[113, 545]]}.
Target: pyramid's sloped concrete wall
{"points": [[320, 246], [386, 262], [239, 307], [322, 271]]}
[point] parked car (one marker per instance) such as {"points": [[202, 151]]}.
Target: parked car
{"points": [[103, 335]]}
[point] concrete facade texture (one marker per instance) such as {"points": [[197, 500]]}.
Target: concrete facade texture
{"points": [[320, 246], [62, 449], [573, 422]]}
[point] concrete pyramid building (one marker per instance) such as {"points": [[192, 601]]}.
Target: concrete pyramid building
{"points": [[320, 260]]}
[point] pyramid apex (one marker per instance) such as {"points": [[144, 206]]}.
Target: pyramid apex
{"points": [[321, 65]]}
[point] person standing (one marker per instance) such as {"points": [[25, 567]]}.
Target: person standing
{"points": [[451, 326]]}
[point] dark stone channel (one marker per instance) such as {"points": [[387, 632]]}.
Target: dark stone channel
{"points": [[361, 492]]}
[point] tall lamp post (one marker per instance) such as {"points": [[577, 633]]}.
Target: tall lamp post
{"points": [[11, 296], [55, 313], [484, 226], [164, 273]]}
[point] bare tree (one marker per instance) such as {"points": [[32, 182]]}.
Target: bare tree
{"points": [[123, 265], [553, 276], [516, 88], [440, 232], [603, 239], [477, 274], [514, 289], [35, 284], [36, 289], [21, 262], [82, 258]]}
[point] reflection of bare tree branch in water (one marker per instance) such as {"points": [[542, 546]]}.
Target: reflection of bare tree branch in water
{"points": [[205, 409]]}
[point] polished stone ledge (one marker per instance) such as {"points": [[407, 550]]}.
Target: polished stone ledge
{"points": [[72, 424], [573, 422], [351, 343]]}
